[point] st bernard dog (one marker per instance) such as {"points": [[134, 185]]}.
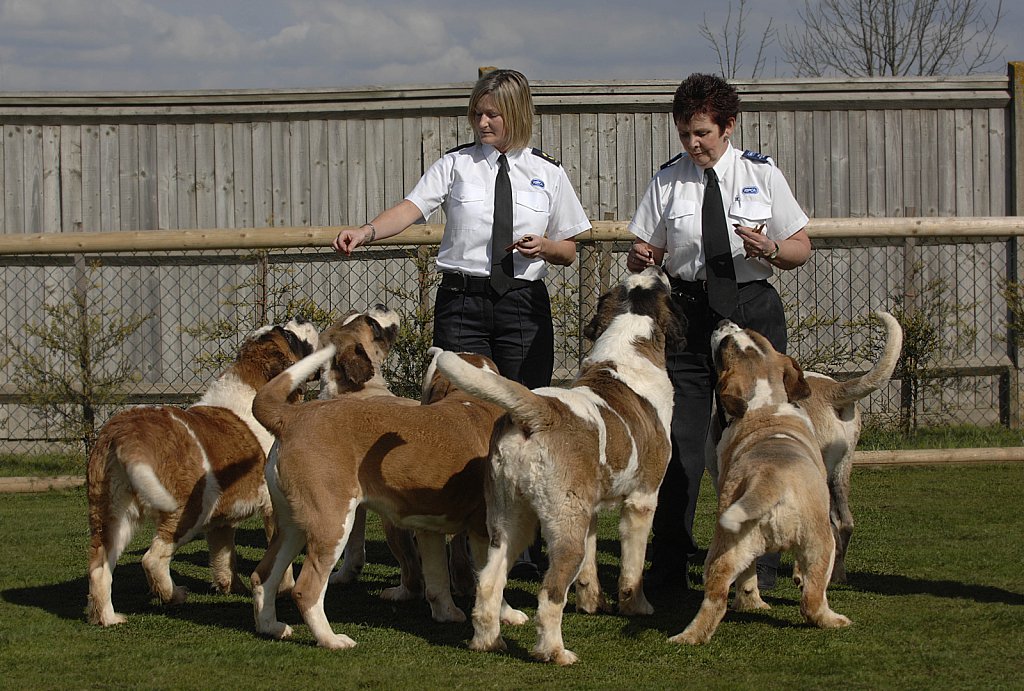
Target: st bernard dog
{"points": [[420, 467], [834, 411], [772, 491], [193, 470], [559, 456]]}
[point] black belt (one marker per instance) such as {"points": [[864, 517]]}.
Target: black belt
{"points": [[464, 283], [699, 289]]}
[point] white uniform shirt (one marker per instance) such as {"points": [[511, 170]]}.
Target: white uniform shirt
{"points": [[754, 191], [462, 182]]}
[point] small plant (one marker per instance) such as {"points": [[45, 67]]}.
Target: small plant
{"points": [[267, 305], [934, 332], [407, 364], [70, 366]]}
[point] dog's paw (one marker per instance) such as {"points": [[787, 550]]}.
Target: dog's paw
{"points": [[749, 602], [450, 614], [833, 620], [277, 630], [338, 641], [560, 656], [178, 595], [591, 601], [513, 617], [483, 645], [113, 620], [687, 638]]}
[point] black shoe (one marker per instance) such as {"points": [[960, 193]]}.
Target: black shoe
{"points": [[524, 570], [766, 577]]}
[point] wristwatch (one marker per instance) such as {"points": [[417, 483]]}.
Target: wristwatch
{"points": [[774, 253]]}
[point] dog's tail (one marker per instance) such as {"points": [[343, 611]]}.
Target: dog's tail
{"points": [[271, 401], [855, 389], [758, 499], [528, 409], [118, 451]]}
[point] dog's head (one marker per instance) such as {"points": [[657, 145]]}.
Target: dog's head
{"points": [[270, 350], [436, 386], [640, 309], [751, 373], [363, 341]]}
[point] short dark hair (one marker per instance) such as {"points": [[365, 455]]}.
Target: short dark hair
{"points": [[706, 94]]}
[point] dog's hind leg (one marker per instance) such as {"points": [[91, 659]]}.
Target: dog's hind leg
{"points": [[156, 562], [355, 552], [322, 553], [840, 515], [460, 565], [108, 538], [634, 527], [566, 535], [720, 569], [403, 547], [433, 553], [490, 589], [266, 580], [223, 562], [589, 596], [508, 615], [815, 558]]}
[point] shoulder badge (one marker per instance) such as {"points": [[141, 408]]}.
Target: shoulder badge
{"points": [[758, 157], [671, 161], [460, 147], [547, 157]]}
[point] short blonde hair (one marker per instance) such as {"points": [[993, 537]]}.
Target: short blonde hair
{"points": [[511, 94]]}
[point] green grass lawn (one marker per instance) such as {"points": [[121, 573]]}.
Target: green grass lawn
{"points": [[936, 594]]}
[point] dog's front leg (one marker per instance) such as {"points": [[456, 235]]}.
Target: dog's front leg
{"points": [[634, 527], [156, 562], [355, 551], [434, 555]]}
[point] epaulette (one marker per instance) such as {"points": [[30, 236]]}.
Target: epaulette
{"points": [[460, 147], [671, 161], [758, 157], [547, 157]]}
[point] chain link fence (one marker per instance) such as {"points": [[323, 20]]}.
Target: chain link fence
{"points": [[124, 328]]}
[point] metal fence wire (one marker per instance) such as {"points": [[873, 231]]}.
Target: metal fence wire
{"points": [[157, 326]]}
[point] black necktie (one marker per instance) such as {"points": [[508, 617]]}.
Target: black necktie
{"points": [[719, 270], [502, 268]]}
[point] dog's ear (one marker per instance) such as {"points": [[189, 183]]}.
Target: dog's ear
{"points": [[797, 387], [596, 326], [730, 395], [355, 364]]}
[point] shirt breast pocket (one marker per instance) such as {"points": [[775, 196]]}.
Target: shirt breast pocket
{"points": [[466, 204], [531, 214], [680, 216], [750, 213]]}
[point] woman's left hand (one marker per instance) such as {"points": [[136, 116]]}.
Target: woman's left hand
{"points": [[756, 245], [530, 246]]}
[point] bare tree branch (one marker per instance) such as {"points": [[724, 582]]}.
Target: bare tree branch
{"points": [[893, 37], [729, 44]]}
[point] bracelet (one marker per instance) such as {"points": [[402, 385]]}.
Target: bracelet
{"points": [[774, 253], [373, 232]]}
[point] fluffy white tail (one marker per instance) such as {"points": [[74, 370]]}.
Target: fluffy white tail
{"points": [[527, 408], [271, 400], [148, 488]]}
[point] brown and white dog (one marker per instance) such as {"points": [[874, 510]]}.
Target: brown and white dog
{"points": [[772, 491], [363, 341], [560, 455], [835, 414], [420, 467], [193, 470]]}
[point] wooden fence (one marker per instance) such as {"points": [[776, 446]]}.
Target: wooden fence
{"points": [[893, 159]]}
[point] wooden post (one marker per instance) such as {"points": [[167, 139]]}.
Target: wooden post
{"points": [[1014, 396]]}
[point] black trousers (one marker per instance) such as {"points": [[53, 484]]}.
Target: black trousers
{"points": [[694, 378], [514, 330]]}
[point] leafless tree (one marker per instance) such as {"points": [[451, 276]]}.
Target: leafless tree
{"points": [[868, 38], [729, 44]]}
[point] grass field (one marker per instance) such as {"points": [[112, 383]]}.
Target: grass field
{"points": [[936, 593]]}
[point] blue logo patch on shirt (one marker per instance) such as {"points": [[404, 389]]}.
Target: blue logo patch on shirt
{"points": [[537, 182], [750, 190]]}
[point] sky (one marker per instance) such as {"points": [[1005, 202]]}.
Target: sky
{"points": [[186, 45]]}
